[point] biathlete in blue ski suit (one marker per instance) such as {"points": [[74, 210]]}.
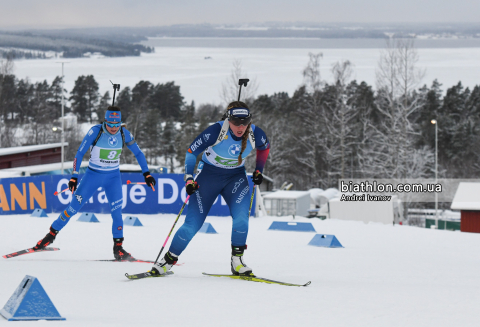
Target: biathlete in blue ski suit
{"points": [[105, 142], [221, 171]]}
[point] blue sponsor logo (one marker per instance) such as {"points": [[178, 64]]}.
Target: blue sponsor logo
{"points": [[234, 150], [112, 141]]}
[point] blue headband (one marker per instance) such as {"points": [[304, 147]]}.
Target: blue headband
{"points": [[113, 116]]}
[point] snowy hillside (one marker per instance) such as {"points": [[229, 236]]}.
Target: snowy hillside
{"points": [[385, 276]]}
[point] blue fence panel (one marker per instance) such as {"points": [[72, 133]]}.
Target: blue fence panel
{"points": [[22, 195]]}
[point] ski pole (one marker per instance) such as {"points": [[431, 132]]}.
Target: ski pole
{"points": [[57, 193], [139, 183], [251, 199], [171, 230]]}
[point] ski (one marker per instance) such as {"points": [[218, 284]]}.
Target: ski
{"points": [[27, 251], [147, 274], [136, 260], [254, 278]]}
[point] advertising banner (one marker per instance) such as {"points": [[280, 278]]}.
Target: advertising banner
{"points": [[21, 195]]}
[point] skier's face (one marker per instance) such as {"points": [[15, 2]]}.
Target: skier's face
{"points": [[238, 130], [112, 130]]}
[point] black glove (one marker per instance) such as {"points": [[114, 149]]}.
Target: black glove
{"points": [[149, 179], [72, 184], [191, 186], [257, 177]]}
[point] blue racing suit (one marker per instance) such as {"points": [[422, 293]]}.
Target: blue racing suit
{"points": [[103, 171], [220, 173]]}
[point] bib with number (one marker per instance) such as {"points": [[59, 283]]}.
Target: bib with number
{"points": [[105, 155]]}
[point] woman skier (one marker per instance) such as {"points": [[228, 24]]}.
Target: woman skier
{"points": [[105, 142], [221, 171]]}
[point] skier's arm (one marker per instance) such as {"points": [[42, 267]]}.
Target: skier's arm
{"points": [[263, 148], [133, 146], [201, 142], [84, 146]]}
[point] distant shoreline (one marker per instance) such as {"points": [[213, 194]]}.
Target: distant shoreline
{"points": [[301, 43]]}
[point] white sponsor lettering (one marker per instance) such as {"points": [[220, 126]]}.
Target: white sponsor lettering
{"points": [[222, 135], [65, 197], [236, 112], [206, 137], [161, 192], [196, 144], [90, 132], [116, 207], [168, 192], [138, 191], [102, 197], [243, 193], [83, 145], [115, 202], [199, 201], [237, 185]]}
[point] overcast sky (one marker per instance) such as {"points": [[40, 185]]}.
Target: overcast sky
{"points": [[90, 13]]}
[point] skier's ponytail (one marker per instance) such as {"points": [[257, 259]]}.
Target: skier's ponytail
{"points": [[244, 143]]}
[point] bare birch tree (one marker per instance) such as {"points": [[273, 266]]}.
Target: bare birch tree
{"points": [[230, 86], [397, 76], [311, 73], [344, 113]]}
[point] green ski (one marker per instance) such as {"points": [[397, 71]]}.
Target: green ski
{"points": [[254, 278]]}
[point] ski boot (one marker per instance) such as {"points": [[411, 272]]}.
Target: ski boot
{"points": [[164, 266], [119, 252], [239, 267], [47, 240]]}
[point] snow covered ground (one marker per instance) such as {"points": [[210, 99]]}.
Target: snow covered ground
{"points": [[274, 69], [385, 276]]}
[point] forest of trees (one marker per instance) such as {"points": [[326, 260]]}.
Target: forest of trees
{"points": [[322, 133]]}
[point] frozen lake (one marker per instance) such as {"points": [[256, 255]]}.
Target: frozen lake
{"points": [[275, 67]]}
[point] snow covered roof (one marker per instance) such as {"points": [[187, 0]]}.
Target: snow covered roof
{"points": [[127, 168], [29, 170], [287, 195], [467, 197], [29, 148], [130, 167]]}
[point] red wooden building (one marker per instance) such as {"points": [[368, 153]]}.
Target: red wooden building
{"points": [[30, 155], [467, 200]]}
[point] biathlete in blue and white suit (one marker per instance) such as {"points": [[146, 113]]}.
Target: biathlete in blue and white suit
{"points": [[105, 142], [221, 171]]}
